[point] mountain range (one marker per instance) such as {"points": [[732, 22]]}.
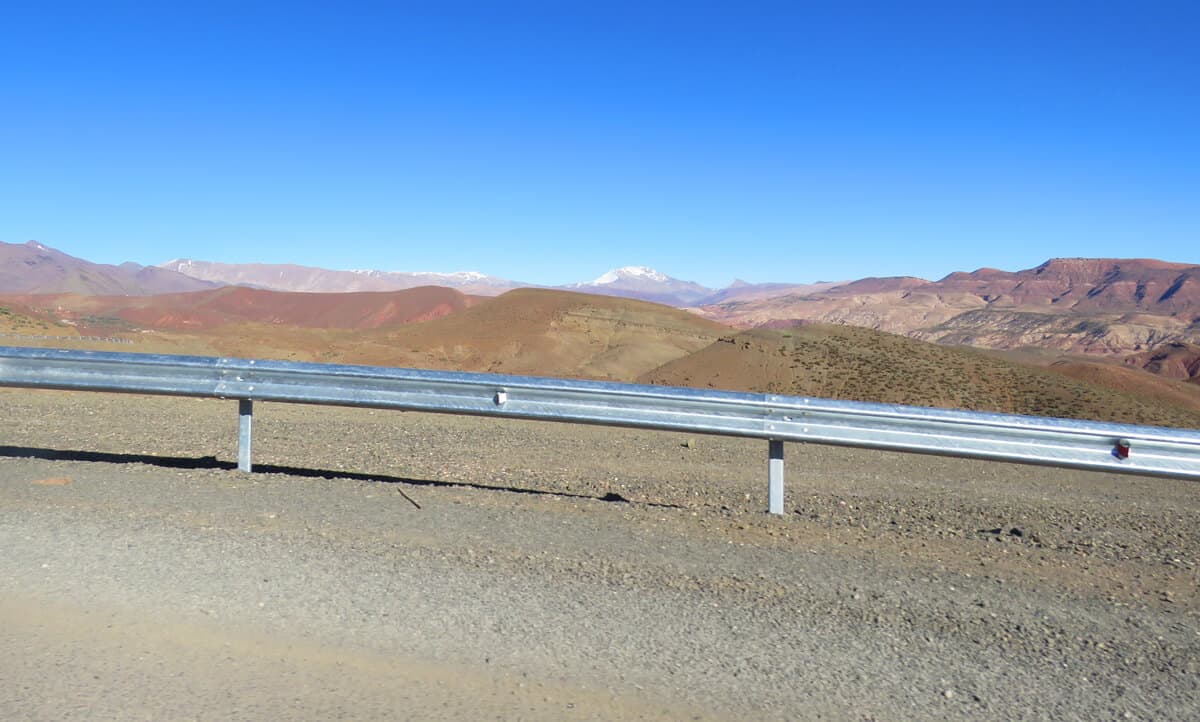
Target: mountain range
{"points": [[1113, 308], [637, 282], [1076, 305], [34, 268], [1108, 339], [309, 279]]}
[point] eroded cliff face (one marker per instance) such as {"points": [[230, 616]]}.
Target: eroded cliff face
{"points": [[1083, 284], [1069, 333]]}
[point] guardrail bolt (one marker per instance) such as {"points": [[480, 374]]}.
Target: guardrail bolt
{"points": [[1121, 451]]}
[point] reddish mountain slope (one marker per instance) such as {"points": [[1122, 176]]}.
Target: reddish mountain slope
{"points": [[233, 304], [1175, 360], [1086, 284], [1142, 384], [1099, 306]]}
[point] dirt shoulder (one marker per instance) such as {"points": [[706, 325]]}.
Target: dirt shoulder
{"points": [[461, 568]]}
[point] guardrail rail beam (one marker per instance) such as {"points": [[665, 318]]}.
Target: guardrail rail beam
{"points": [[1091, 445]]}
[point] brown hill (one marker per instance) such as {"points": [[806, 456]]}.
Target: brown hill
{"points": [[1173, 360], [204, 310], [34, 268], [844, 362], [553, 333], [1145, 385], [539, 332], [536, 332]]}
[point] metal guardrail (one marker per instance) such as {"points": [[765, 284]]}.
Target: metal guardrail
{"points": [[1001, 437]]}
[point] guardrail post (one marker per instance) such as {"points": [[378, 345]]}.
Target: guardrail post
{"points": [[245, 432], [775, 478]]}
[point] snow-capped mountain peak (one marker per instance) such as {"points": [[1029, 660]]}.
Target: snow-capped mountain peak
{"points": [[630, 272], [644, 283]]}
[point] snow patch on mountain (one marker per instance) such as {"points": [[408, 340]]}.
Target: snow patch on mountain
{"points": [[644, 273]]}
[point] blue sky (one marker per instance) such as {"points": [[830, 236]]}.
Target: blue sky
{"points": [[550, 141]]}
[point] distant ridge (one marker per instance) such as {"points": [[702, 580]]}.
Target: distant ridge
{"points": [[35, 268], [637, 282], [310, 279], [646, 284], [231, 305]]}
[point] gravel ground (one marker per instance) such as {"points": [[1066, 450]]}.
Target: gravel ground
{"points": [[386, 565]]}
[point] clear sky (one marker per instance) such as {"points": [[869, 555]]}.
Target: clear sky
{"points": [[551, 141]]}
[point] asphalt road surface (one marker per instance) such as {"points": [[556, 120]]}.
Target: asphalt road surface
{"points": [[386, 565]]}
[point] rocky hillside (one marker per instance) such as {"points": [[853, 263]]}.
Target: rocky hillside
{"points": [[1173, 360], [1091, 306], [857, 364]]}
